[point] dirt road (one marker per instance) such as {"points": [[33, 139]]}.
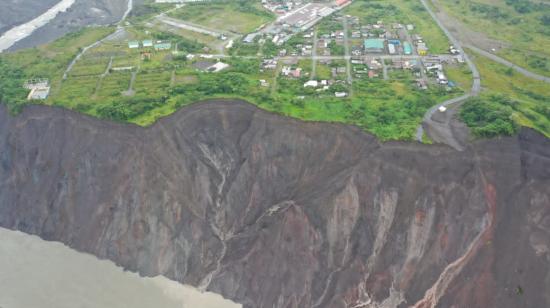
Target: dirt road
{"points": [[444, 132], [509, 64]]}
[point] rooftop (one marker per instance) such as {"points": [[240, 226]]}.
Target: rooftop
{"points": [[374, 44]]}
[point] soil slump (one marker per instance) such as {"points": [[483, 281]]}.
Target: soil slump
{"points": [[273, 212]]}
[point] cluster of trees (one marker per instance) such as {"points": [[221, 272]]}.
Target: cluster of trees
{"points": [[124, 109], [248, 6], [537, 62], [489, 117], [488, 11], [522, 6], [12, 92], [336, 49], [189, 46], [377, 11]]}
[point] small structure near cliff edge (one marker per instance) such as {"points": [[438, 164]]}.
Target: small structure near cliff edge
{"points": [[40, 89]]}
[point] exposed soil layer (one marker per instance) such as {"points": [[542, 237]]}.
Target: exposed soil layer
{"points": [[274, 212]]}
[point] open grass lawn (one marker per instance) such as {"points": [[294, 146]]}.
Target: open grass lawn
{"points": [[235, 16], [460, 75], [524, 26], [323, 71], [404, 12], [201, 38], [114, 84], [530, 99]]}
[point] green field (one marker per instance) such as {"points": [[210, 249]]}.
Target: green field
{"points": [[158, 84], [404, 12], [242, 16], [525, 101], [389, 109], [523, 26]]}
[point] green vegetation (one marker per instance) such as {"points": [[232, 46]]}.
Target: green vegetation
{"points": [[405, 12], [460, 75], [508, 97], [489, 116], [147, 10], [42, 62], [391, 110], [143, 85], [522, 25], [241, 16]]}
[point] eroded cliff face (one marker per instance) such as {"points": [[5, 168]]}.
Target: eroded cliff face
{"points": [[273, 212]]}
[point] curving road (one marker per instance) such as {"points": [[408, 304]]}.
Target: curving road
{"points": [[509, 64], [443, 128], [476, 88], [120, 29]]}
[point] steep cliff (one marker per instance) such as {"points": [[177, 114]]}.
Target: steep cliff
{"points": [[273, 212]]}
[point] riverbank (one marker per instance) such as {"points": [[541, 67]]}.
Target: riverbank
{"points": [[20, 32], [37, 273]]}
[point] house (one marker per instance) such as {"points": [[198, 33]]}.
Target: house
{"points": [[391, 49], [40, 89], [133, 44], [162, 45], [342, 2], [340, 94], [311, 83], [407, 48], [287, 71], [147, 43], [219, 66], [269, 64], [264, 83], [421, 84], [374, 45], [39, 93], [372, 74], [441, 78], [250, 38]]}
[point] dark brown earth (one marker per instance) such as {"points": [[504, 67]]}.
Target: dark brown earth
{"points": [[274, 212]]}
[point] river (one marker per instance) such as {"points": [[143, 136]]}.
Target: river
{"points": [[38, 273], [20, 32]]}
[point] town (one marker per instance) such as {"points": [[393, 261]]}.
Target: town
{"points": [[306, 40], [339, 60]]}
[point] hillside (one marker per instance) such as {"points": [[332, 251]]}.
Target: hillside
{"points": [[270, 211]]}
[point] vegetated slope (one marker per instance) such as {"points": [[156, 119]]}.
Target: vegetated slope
{"points": [[273, 212]]}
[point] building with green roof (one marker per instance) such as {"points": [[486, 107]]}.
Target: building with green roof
{"points": [[163, 46], [374, 45], [407, 48], [147, 43], [133, 44]]}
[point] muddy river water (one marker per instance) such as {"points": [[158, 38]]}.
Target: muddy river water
{"points": [[38, 273]]}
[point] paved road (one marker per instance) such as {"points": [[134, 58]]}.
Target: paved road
{"points": [[120, 29], [85, 49], [509, 64], [476, 85], [346, 48], [189, 26], [314, 56]]}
